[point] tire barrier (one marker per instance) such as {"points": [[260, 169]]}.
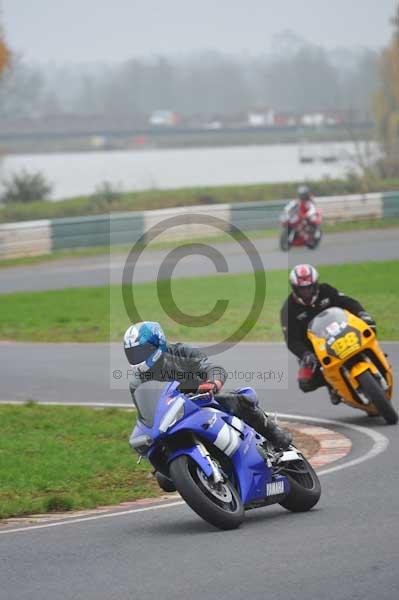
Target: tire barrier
{"points": [[34, 238]]}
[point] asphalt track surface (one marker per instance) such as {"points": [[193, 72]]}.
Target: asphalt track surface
{"points": [[356, 246], [346, 548]]}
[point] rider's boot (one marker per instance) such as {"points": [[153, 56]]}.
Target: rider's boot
{"points": [[335, 398], [280, 438], [267, 427]]}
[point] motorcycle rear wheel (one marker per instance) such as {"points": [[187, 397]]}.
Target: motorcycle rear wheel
{"points": [[374, 392], [305, 486], [222, 507]]}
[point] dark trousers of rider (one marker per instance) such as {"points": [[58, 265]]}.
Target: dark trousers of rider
{"points": [[314, 382], [247, 408], [244, 408]]}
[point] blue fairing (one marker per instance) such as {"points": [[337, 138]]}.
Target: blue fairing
{"points": [[195, 453], [211, 425]]}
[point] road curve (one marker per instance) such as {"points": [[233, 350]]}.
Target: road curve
{"points": [[345, 548], [337, 248]]}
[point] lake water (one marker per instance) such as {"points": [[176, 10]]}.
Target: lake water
{"points": [[73, 174]]}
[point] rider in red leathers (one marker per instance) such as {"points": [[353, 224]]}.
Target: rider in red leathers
{"points": [[301, 220], [304, 205]]}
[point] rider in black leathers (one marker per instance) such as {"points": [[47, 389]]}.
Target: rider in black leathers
{"points": [[307, 299], [190, 366]]}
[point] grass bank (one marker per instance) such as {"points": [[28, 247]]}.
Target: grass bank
{"points": [[98, 314], [153, 199], [65, 458], [57, 459]]}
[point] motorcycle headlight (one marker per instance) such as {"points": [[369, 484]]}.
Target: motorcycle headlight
{"points": [[140, 443], [174, 414]]}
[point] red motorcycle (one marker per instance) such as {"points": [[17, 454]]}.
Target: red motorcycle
{"points": [[300, 226]]}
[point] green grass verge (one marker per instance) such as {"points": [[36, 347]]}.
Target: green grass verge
{"points": [[67, 458], [98, 314], [365, 224], [58, 459], [153, 199]]}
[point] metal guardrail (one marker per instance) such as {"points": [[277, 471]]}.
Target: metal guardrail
{"points": [[43, 237], [390, 204], [252, 216], [98, 230]]}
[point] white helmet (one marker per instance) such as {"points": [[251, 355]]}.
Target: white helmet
{"points": [[144, 344], [304, 283]]}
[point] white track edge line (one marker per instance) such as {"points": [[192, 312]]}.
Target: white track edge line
{"points": [[91, 518], [380, 443], [81, 404]]}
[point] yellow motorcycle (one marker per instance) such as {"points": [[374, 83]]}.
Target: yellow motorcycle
{"points": [[352, 362]]}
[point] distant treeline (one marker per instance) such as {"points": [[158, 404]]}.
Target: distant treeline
{"points": [[296, 76]]}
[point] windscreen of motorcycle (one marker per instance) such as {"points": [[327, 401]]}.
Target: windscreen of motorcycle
{"points": [[341, 339], [146, 398], [329, 324]]}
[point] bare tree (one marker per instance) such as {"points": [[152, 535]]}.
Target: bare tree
{"points": [[387, 105]]}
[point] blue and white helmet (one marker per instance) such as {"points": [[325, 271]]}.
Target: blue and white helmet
{"points": [[144, 344]]}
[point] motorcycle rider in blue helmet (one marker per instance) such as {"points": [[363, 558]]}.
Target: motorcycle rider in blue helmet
{"points": [[152, 358]]}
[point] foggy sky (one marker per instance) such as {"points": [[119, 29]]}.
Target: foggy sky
{"points": [[90, 30]]}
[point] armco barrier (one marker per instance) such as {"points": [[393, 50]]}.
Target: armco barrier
{"points": [[126, 228], [250, 216], [42, 237], [391, 204], [154, 219], [79, 232], [29, 238], [351, 208]]}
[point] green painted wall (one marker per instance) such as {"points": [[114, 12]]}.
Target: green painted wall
{"points": [[118, 228], [390, 204]]}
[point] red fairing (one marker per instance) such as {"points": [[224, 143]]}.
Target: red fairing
{"points": [[300, 223]]}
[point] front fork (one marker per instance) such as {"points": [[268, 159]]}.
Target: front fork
{"points": [[365, 365], [200, 455]]}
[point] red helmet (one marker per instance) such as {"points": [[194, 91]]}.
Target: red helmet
{"points": [[304, 283]]}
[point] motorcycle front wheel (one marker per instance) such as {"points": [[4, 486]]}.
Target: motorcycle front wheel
{"points": [[220, 505], [305, 485], [374, 392], [315, 241]]}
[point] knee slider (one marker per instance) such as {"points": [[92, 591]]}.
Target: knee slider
{"points": [[248, 397], [306, 385]]}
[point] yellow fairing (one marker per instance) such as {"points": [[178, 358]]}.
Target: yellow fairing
{"points": [[359, 338]]}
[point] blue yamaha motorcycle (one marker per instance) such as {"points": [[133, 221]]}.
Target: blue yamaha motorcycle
{"points": [[220, 466]]}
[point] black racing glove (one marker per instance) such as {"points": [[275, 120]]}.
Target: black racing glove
{"points": [[367, 319], [309, 360]]}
